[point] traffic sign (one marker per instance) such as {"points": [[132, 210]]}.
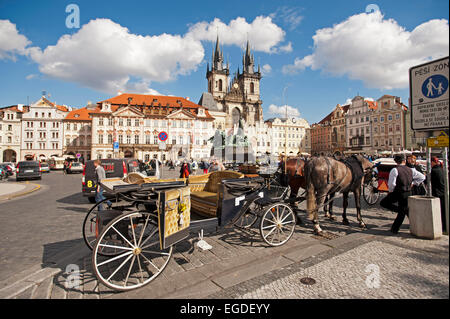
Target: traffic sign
{"points": [[429, 95], [162, 136], [78, 155], [439, 141], [116, 146]]}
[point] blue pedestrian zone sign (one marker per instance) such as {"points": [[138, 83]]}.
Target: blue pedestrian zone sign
{"points": [[435, 86], [116, 146]]}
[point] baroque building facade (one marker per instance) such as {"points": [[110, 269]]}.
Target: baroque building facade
{"points": [[11, 132], [135, 121], [42, 130]]}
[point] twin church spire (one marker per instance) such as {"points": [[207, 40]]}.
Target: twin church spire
{"points": [[248, 60]]}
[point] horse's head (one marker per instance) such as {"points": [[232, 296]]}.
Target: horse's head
{"points": [[366, 165]]}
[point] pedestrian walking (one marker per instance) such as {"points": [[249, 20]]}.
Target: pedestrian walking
{"points": [[66, 164], [100, 175], [185, 170], [438, 186], [401, 179], [411, 163], [205, 166]]}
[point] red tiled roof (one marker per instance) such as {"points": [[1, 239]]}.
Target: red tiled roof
{"points": [[82, 114], [140, 99], [157, 100], [15, 108]]}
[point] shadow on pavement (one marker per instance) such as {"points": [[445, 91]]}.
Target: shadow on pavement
{"points": [[76, 198]]}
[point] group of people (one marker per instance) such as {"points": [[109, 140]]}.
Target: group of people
{"points": [[206, 166], [407, 179]]}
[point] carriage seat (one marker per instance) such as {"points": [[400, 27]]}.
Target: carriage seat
{"points": [[205, 191]]}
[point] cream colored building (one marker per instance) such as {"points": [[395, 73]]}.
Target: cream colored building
{"points": [[11, 132], [289, 136], [42, 130]]}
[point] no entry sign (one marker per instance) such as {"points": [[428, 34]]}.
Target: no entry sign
{"points": [[162, 136]]}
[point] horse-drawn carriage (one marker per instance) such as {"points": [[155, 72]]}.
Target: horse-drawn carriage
{"points": [[378, 183], [132, 241]]}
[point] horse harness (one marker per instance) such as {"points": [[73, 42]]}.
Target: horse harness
{"points": [[354, 166]]}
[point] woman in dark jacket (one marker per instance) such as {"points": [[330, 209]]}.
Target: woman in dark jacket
{"points": [[438, 186]]}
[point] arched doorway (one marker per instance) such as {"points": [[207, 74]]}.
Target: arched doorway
{"points": [[9, 156], [235, 116]]}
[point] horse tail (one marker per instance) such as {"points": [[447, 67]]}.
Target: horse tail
{"points": [[311, 204]]}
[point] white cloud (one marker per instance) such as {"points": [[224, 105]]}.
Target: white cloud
{"points": [[11, 42], [31, 76], [375, 50], [105, 56], [280, 111], [266, 69], [263, 34]]}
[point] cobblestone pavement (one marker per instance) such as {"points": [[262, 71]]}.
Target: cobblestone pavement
{"points": [[403, 271], [240, 265]]}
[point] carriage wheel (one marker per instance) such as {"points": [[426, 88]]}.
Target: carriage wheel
{"points": [[141, 260], [89, 223], [277, 224], [247, 219], [370, 192]]}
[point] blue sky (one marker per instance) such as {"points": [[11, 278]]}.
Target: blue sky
{"points": [[352, 51]]}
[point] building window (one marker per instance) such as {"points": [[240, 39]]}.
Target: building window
{"points": [[220, 85], [110, 121], [100, 121], [155, 139], [390, 117], [136, 139], [128, 122], [67, 126], [128, 139], [147, 139], [174, 140], [75, 127], [136, 122], [120, 139], [397, 128], [147, 157], [398, 140], [110, 139], [100, 139], [120, 122], [397, 116], [252, 87], [381, 118]]}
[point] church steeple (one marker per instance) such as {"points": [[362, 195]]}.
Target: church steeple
{"points": [[217, 57], [248, 60]]}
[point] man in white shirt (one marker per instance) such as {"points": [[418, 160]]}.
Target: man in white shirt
{"points": [[401, 179]]}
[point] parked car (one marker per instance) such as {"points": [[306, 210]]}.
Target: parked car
{"points": [[45, 168], [11, 164], [74, 167], [28, 170], [8, 169], [3, 174], [114, 167]]}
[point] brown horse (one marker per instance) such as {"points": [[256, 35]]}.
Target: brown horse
{"points": [[327, 176], [295, 169]]}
